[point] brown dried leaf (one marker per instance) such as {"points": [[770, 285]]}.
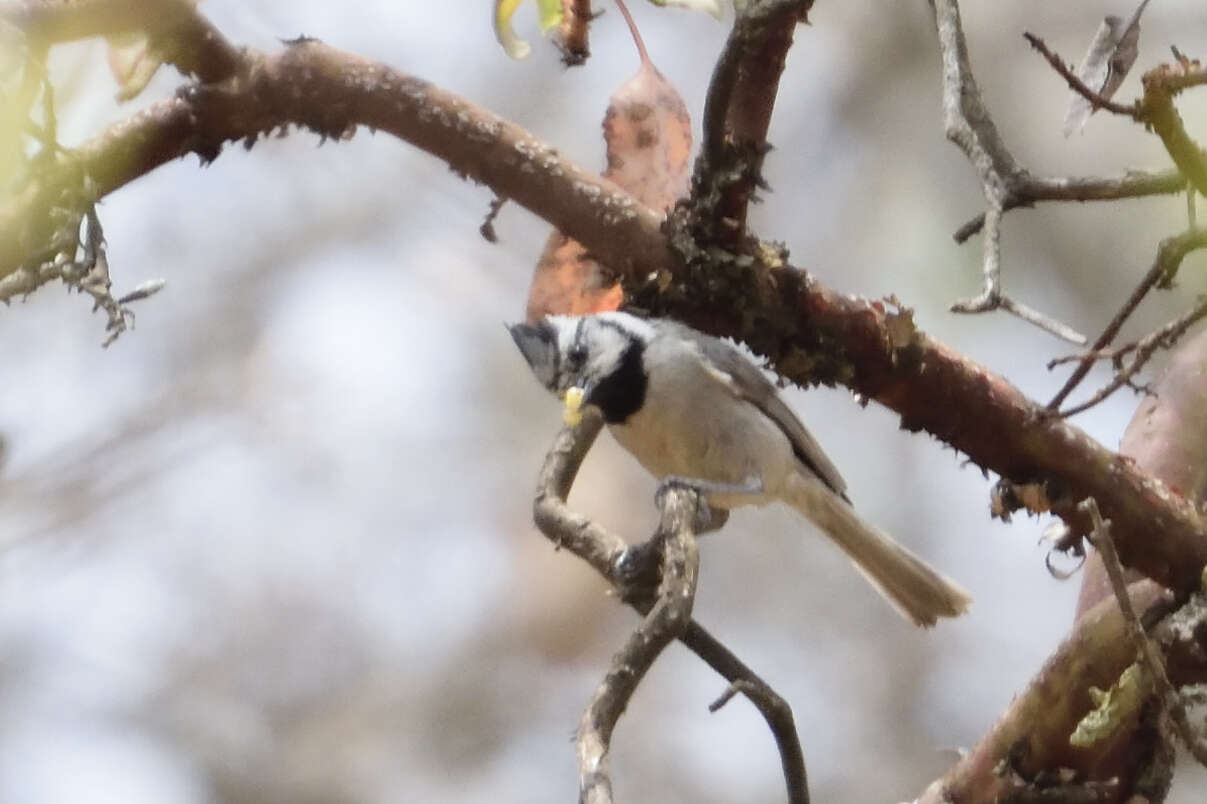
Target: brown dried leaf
{"points": [[647, 131]]}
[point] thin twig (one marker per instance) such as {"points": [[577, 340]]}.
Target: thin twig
{"points": [[774, 709], [667, 619], [1047, 323], [1142, 352], [1077, 85], [992, 297], [1165, 267], [1026, 190], [1149, 656], [968, 124], [613, 558]]}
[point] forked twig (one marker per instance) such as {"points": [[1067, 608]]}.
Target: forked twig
{"points": [[1165, 266], [666, 619], [1142, 351], [968, 124]]}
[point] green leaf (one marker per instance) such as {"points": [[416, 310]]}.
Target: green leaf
{"points": [[1112, 708], [550, 16]]}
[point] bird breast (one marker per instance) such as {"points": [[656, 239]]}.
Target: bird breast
{"points": [[694, 426]]}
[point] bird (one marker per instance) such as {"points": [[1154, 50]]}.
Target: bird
{"points": [[693, 409]]}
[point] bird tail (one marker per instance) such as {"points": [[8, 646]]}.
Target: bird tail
{"points": [[916, 590]]}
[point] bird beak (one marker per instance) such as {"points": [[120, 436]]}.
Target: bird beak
{"points": [[572, 413]]}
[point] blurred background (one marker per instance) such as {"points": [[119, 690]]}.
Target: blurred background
{"points": [[275, 545]]}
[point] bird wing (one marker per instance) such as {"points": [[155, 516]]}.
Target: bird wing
{"points": [[747, 381]]}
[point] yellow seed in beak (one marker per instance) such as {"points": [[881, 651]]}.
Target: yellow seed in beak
{"points": [[572, 413]]}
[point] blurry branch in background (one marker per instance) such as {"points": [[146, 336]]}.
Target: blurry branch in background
{"points": [[1166, 439], [1154, 110], [666, 563], [176, 33], [1141, 352]]}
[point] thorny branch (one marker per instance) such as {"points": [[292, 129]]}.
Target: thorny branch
{"points": [[737, 113], [629, 570], [1149, 655]]}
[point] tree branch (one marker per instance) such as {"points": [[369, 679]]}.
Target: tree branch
{"points": [[1156, 109], [184, 37], [811, 333], [331, 93], [667, 619], [1026, 190], [969, 125], [1076, 84], [630, 570], [1150, 657], [737, 113], [1165, 267], [1032, 735]]}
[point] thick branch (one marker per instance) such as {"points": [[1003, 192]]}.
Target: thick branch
{"points": [[737, 111], [1033, 734], [331, 92], [812, 333], [185, 37], [1167, 437]]}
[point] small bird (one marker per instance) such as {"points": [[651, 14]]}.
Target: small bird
{"points": [[693, 409]]}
